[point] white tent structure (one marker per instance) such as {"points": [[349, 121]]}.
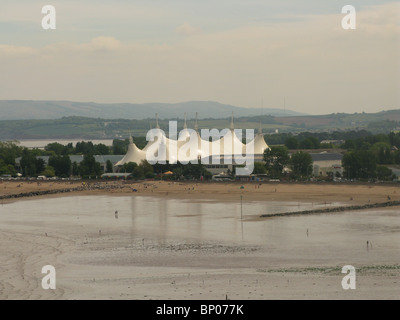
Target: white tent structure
{"points": [[229, 144], [152, 136], [258, 143], [134, 154], [190, 146]]}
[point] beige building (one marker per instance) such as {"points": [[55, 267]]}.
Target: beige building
{"points": [[325, 163]]}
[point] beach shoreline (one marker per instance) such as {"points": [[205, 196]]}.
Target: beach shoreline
{"points": [[127, 259], [349, 194]]}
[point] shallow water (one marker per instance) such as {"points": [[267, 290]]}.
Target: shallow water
{"points": [[331, 237]]}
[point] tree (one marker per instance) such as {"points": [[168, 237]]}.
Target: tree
{"points": [[310, 143], [276, 158], [30, 164], [101, 149], [56, 148], [383, 153], [138, 172], [365, 146], [384, 173], [27, 163], [89, 167], [147, 168], [359, 164], [6, 168], [394, 139], [69, 149], [301, 164], [39, 165], [349, 144], [195, 171], [292, 143], [119, 146], [178, 173], [128, 167], [109, 166], [61, 165], [84, 148], [9, 151], [149, 175], [48, 172], [143, 170], [75, 169], [259, 168], [396, 157]]}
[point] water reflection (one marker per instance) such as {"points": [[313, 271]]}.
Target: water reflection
{"points": [[163, 219]]}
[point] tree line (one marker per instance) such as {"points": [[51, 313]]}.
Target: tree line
{"points": [[365, 156], [60, 164], [277, 160]]}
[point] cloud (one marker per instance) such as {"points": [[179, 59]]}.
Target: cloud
{"points": [[16, 52], [186, 29], [105, 43], [313, 62]]}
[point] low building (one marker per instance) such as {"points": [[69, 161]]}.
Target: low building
{"points": [[217, 165], [326, 163], [333, 142], [115, 175], [395, 170]]}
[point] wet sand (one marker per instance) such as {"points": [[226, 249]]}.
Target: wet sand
{"points": [[131, 260]]}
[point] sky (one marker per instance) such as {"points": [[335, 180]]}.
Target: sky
{"points": [[248, 53]]}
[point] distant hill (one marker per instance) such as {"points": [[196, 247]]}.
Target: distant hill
{"points": [[64, 119], [382, 119], [98, 128], [30, 110]]}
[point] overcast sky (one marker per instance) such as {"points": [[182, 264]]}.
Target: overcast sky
{"points": [[241, 52]]}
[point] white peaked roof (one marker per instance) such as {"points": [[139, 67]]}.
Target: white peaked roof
{"points": [[229, 145], [234, 144], [134, 154], [153, 138], [259, 144], [184, 134]]}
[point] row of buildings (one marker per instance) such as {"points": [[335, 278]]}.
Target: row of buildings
{"points": [[323, 163]]}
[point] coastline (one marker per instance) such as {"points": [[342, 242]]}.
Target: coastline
{"points": [[347, 194], [130, 260]]}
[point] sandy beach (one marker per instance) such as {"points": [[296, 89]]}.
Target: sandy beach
{"points": [[98, 256], [322, 192]]}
